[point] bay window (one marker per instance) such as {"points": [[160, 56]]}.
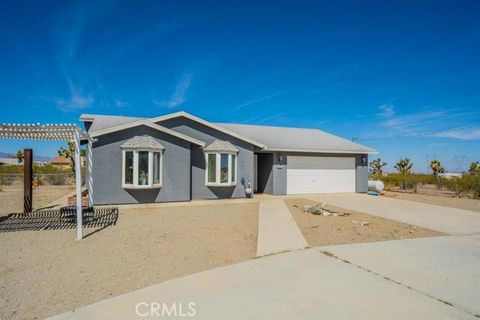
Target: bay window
{"points": [[141, 169], [221, 168]]}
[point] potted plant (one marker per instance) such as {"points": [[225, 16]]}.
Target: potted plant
{"points": [[142, 179]]}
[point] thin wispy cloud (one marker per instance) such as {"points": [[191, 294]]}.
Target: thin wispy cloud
{"points": [[253, 101], [120, 103], [179, 95], [78, 99], [409, 123], [460, 133], [270, 118], [433, 123], [386, 110]]}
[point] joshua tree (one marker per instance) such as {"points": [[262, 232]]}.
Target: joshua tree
{"points": [[376, 166], [474, 168], [436, 168], [404, 167], [68, 153], [19, 155]]}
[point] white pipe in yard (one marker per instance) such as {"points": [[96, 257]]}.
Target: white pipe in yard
{"points": [[376, 184]]}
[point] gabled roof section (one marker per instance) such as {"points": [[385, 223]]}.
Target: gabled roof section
{"points": [[143, 142], [147, 123], [100, 122], [220, 145], [208, 124], [285, 139]]}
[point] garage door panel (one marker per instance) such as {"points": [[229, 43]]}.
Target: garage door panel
{"points": [[320, 174], [335, 163]]}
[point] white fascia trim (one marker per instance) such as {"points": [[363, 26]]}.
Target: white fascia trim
{"points": [[85, 118], [150, 124], [208, 124], [319, 151]]}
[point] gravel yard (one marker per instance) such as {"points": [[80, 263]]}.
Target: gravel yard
{"points": [[44, 273], [354, 227], [11, 198]]}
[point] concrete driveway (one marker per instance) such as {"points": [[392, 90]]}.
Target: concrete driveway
{"points": [[303, 284], [445, 268], [427, 278], [444, 219]]}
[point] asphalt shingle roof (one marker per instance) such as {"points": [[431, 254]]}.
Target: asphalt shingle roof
{"points": [[104, 122], [302, 140], [220, 145], [274, 138], [143, 142]]}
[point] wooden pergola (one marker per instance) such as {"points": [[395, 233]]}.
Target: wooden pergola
{"points": [[67, 132]]}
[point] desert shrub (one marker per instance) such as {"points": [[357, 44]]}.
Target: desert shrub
{"points": [[11, 169], [56, 179], [409, 181], [49, 169], [470, 184], [6, 180]]}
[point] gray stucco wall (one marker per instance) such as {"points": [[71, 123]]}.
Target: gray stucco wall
{"points": [[273, 173], [279, 171], [361, 170], [208, 135], [107, 169]]}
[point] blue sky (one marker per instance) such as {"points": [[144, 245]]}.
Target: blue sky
{"points": [[402, 77]]}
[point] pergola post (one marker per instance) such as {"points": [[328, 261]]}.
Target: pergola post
{"points": [[89, 173], [78, 181], [52, 132], [27, 180]]}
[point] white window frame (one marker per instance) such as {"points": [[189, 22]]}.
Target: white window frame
{"points": [[150, 184], [217, 182]]}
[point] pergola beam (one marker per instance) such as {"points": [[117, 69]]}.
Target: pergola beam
{"points": [[69, 132]]}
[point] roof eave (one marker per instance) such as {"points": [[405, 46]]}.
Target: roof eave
{"points": [[148, 124], [208, 124], [320, 151]]}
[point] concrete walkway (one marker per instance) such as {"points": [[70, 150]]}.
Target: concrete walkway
{"points": [[308, 284], [277, 230], [449, 220]]}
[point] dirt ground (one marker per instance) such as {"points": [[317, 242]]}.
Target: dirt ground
{"points": [[439, 200], [11, 198], [319, 230], [43, 273]]}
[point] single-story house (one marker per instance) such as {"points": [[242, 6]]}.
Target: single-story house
{"points": [[180, 157], [61, 162]]}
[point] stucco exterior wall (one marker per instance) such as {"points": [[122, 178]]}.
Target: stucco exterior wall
{"points": [[206, 134], [107, 169], [361, 170]]}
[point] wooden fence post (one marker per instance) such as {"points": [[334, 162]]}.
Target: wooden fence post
{"points": [[27, 180]]}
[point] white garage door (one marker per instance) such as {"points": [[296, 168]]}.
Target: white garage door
{"points": [[320, 174]]}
